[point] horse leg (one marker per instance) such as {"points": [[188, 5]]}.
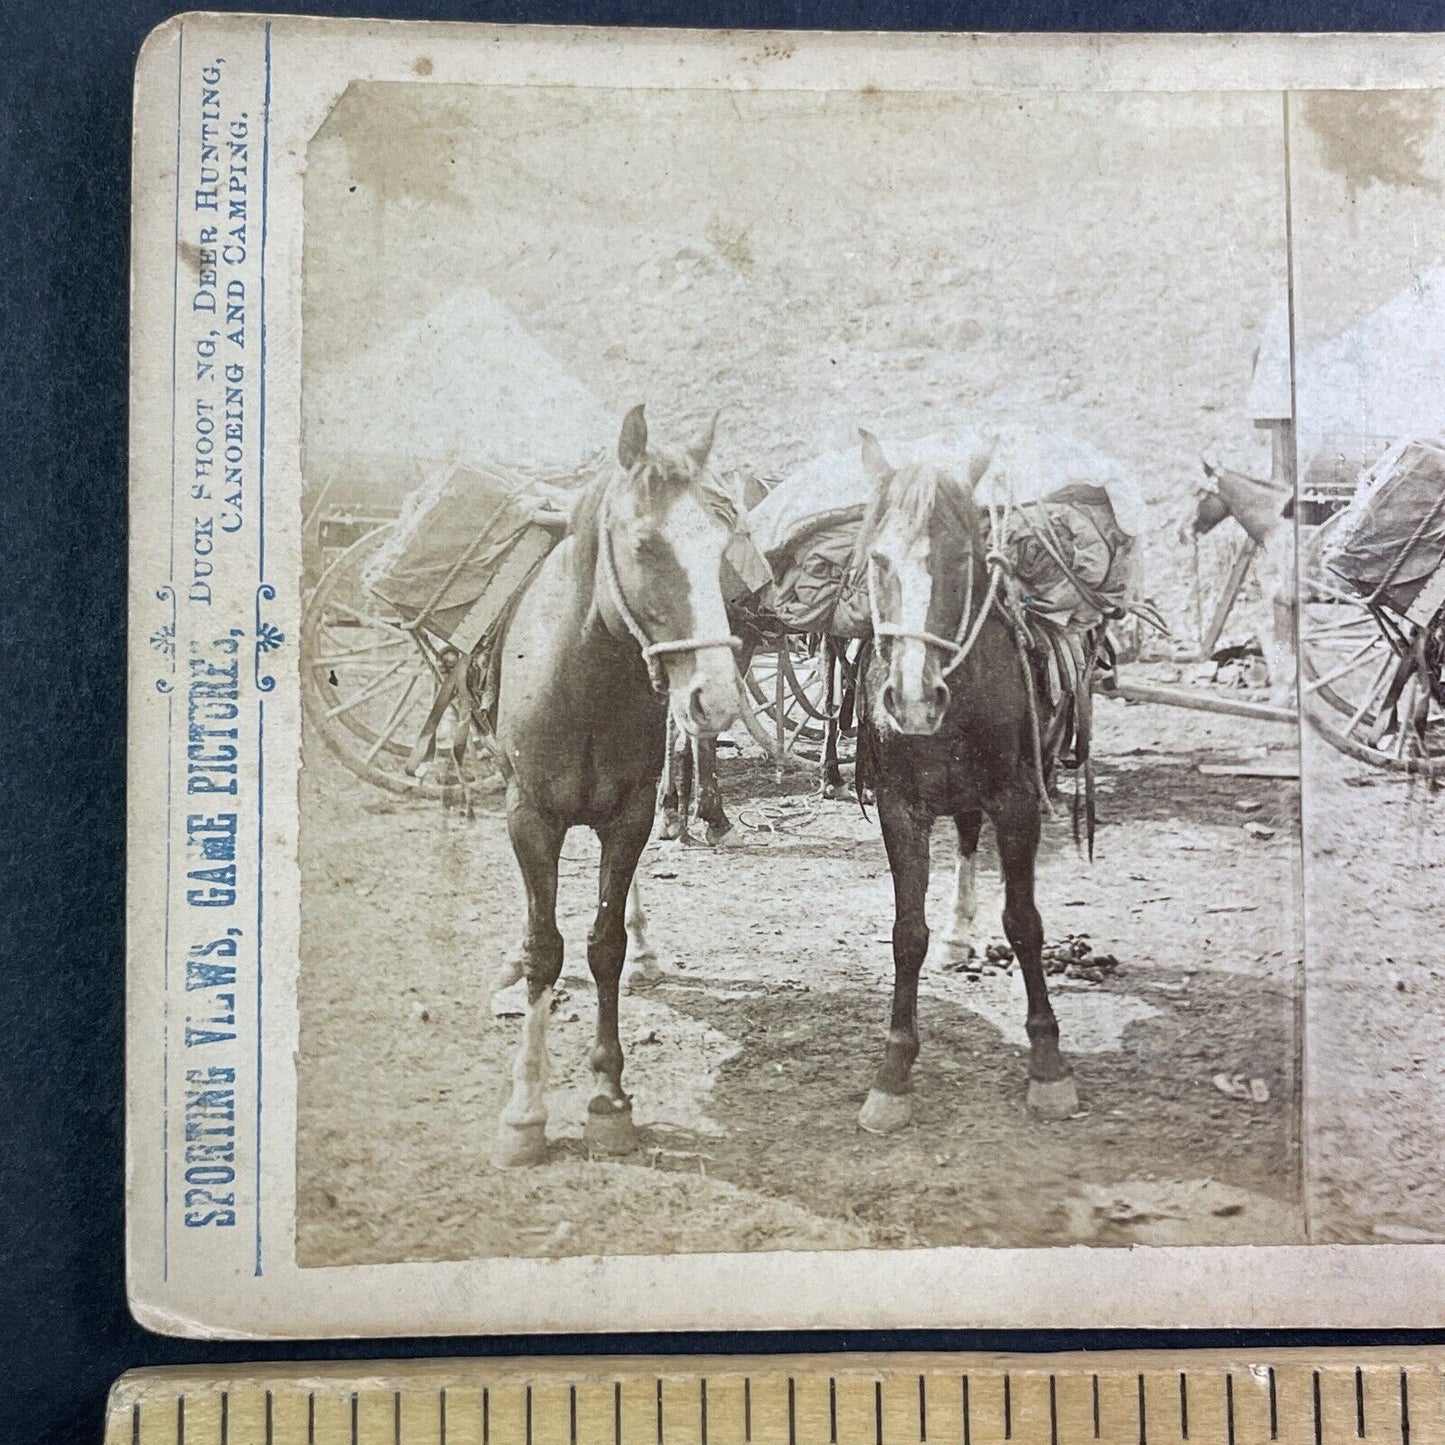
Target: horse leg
{"points": [[959, 935], [687, 779], [848, 709], [1278, 640], [906, 831], [644, 969], [609, 1127], [1281, 652], [674, 819], [832, 774], [849, 675], [522, 1131], [1052, 1093], [719, 828]]}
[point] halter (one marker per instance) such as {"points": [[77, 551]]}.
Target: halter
{"points": [[652, 652], [970, 624]]}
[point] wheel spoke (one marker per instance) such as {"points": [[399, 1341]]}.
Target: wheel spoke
{"points": [[370, 620], [391, 724], [1352, 664], [369, 691], [1341, 629], [1335, 593], [330, 659], [1371, 693]]}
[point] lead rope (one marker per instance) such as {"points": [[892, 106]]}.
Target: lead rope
{"points": [[963, 642]]}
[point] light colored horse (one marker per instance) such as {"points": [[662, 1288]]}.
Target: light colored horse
{"points": [[1263, 510], [622, 624]]}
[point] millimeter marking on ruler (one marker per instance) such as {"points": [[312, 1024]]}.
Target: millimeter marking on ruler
{"points": [[1187, 1397]]}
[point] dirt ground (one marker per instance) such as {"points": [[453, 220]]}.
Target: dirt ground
{"points": [[749, 1061], [1376, 997], [809, 264]]}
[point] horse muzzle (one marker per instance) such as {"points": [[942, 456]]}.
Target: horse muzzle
{"points": [[703, 691], [920, 718], [916, 710]]}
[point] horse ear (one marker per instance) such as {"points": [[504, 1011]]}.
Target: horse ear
{"points": [[701, 449], [632, 444], [982, 460], [875, 464]]}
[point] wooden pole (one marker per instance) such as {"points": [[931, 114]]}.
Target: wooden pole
{"points": [[1237, 573], [1202, 702]]}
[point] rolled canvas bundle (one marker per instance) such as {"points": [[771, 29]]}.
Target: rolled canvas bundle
{"points": [[457, 531], [1069, 512], [1391, 537]]}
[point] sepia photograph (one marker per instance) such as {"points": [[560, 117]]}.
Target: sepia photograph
{"points": [[838, 464], [1369, 286]]}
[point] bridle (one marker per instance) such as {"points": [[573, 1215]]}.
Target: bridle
{"points": [[970, 623], [652, 652]]}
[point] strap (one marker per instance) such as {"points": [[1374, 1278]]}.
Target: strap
{"points": [[651, 651]]}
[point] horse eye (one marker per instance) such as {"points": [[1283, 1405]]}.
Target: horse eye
{"points": [[648, 546]]}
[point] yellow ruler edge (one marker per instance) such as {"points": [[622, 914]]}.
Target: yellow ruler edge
{"points": [[1124, 1397]]}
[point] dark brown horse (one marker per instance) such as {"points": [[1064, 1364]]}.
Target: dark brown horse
{"points": [[948, 727], [624, 622]]}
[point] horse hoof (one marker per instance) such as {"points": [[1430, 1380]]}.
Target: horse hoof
{"points": [[957, 951], [730, 839], [519, 1145], [672, 827], [839, 793], [643, 972], [510, 1002], [507, 974], [1054, 1099], [884, 1113], [611, 1133]]}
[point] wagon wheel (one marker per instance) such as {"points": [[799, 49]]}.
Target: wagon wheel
{"points": [[787, 684], [1370, 682], [368, 683]]}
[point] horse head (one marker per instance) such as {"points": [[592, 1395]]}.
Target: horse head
{"points": [[1204, 509], [1258, 505], [923, 547], [665, 521]]}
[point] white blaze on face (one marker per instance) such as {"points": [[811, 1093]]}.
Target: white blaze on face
{"points": [[698, 539], [908, 558]]}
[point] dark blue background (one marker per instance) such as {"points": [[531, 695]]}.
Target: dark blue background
{"points": [[65, 77]]}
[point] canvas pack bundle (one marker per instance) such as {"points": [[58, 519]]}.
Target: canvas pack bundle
{"points": [[464, 530], [1391, 537], [1066, 511]]}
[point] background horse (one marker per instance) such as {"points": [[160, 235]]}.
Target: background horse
{"points": [[1263, 510], [948, 726], [692, 762], [628, 607]]}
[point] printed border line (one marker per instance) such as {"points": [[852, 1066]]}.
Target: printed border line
{"points": [[264, 684], [170, 699]]}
